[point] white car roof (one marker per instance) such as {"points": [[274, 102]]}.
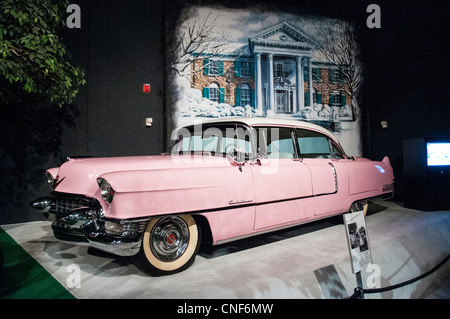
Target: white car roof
{"points": [[257, 121]]}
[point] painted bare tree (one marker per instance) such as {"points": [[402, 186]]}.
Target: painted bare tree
{"points": [[339, 47], [197, 40]]}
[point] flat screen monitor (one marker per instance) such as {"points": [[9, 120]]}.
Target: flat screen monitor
{"points": [[438, 153]]}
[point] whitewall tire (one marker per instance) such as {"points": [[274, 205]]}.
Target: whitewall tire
{"points": [[169, 245]]}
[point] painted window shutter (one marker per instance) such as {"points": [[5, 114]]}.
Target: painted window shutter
{"points": [[317, 74], [331, 99], [221, 95], [220, 68], [252, 69], [343, 98], [237, 68], [332, 76], [237, 96], [206, 92], [307, 98], [206, 67], [341, 76], [319, 98]]}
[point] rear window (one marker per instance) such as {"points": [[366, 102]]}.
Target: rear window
{"points": [[317, 145], [313, 144]]}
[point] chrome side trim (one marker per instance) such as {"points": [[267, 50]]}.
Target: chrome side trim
{"points": [[335, 178], [335, 182], [42, 204]]}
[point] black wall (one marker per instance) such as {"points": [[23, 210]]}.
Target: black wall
{"points": [[121, 46], [407, 79]]}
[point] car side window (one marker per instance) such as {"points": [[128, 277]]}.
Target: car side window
{"points": [[313, 144], [238, 137], [202, 141], [275, 142], [205, 143], [213, 140]]}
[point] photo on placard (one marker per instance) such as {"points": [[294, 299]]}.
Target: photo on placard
{"points": [[364, 243], [358, 240], [353, 235]]}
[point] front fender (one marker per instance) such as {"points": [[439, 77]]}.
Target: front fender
{"points": [[53, 171], [178, 190], [160, 180]]}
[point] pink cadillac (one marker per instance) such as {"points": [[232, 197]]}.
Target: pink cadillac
{"points": [[224, 180]]}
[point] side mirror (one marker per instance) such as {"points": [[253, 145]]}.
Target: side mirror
{"points": [[236, 156]]}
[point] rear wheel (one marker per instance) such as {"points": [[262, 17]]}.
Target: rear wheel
{"points": [[169, 245]]}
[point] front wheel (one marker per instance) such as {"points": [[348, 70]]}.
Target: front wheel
{"points": [[169, 245]]}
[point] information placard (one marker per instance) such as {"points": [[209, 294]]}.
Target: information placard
{"points": [[358, 240]]}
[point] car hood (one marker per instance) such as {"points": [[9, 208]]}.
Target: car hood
{"points": [[80, 175]]}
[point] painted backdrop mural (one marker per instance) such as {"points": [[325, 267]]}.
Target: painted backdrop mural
{"points": [[251, 63]]}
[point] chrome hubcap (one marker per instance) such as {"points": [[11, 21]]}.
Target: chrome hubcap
{"points": [[169, 238]]}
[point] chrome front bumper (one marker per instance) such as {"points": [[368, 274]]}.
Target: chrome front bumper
{"points": [[78, 220]]}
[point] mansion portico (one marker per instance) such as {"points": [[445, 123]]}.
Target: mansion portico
{"points": [[281, 55], [279, 71]]}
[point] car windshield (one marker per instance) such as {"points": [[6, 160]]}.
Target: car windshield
{"points": [[214, 140]]}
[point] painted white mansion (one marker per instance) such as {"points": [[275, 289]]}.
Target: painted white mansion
{"points": [[280, 71]]}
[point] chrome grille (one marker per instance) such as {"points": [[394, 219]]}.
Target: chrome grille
{"points": [[134, 227], [62, 205]]}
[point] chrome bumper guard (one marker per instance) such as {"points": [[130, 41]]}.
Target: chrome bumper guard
{"points": [[77, 219]]}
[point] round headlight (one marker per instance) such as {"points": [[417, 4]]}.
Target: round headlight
{"points": [[50, 180], [106, 190]]}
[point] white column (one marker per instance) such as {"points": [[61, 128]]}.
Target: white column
{"points": [[271, 86], [258, 85], [299, 86], [310, 87]]}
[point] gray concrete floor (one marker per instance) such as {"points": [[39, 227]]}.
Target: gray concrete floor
{"points": [[308, 261]]}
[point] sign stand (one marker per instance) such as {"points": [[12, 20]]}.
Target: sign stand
{"points": [[358, 245], [359, 290]]}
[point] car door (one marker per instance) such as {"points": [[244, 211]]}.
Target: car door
{"points": [[283, 190], [329, 175], [206, 180]]}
